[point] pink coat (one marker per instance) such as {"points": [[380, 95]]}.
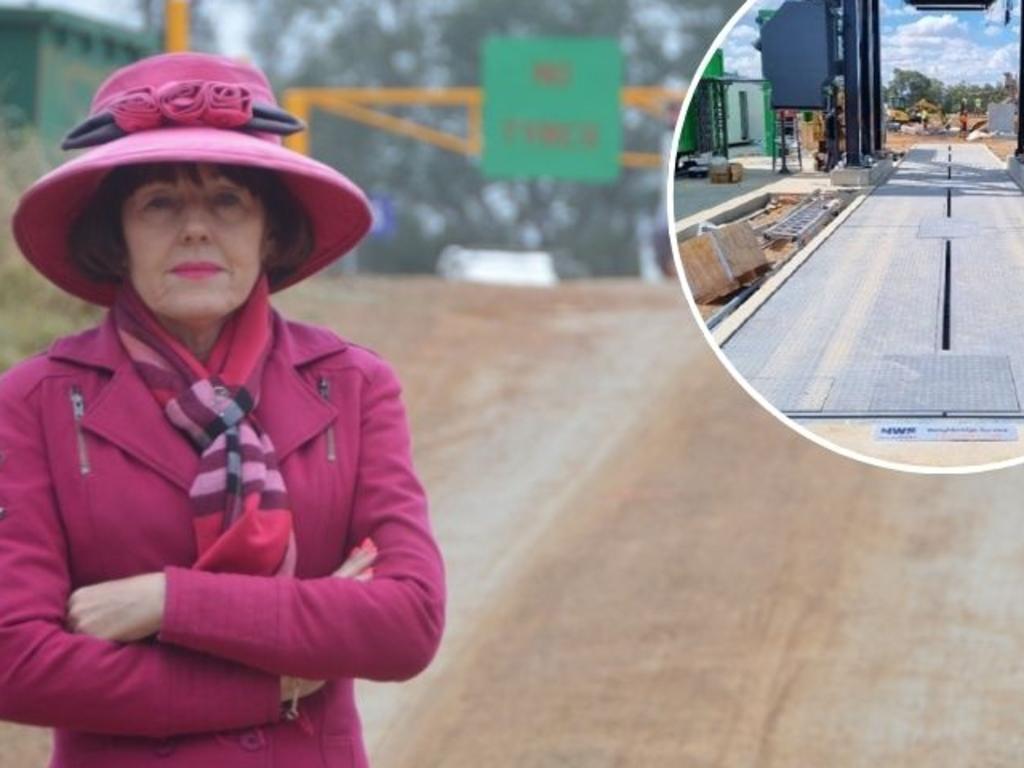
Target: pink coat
{"points": [[94, 486]]}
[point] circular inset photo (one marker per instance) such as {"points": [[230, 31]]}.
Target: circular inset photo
{"points": [[848, 220]]}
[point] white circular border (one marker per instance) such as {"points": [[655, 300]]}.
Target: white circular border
{"points": [[798, 428]]}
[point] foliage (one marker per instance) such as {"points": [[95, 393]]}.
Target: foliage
{"points": [[976, 97], [32, 311], [907, 87], [441, 198]]}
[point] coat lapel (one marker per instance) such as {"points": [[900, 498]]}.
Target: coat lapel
{"points": [[290, 410], [126, 414]]}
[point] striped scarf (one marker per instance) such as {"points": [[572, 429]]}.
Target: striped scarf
{"points": [[243, 523]]}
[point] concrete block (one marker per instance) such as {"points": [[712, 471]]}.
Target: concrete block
{"points": [[707, 274], [861, 177], [739, 247], [1001, 117]]}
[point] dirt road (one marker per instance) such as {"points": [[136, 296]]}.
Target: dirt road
{"points": [[647, 570], [1002, 146]]}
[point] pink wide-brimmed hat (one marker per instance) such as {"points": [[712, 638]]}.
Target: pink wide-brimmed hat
{"points": [[183, 107]]}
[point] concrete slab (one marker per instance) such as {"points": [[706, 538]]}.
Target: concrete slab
{"points": [[866, 312]]}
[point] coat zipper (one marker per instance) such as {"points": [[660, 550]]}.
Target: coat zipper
{"points": [[325, 393], [78, 409]]}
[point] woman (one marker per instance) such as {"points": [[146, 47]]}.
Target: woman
{"points": [[179, 486]]}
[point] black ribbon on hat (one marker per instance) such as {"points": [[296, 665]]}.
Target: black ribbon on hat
{"points": [[102, 128]]}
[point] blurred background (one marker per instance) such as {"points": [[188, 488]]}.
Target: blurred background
{"points": [[645, 568]]}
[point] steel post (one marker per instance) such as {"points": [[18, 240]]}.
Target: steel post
{"points": [[851, 82], [876, 56], [1020, 98]]}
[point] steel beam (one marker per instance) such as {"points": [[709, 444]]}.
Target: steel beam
{"points": [[876, 89], [851, 81], [1020, 98]]}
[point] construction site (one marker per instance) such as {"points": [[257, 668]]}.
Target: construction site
{"points": [[856, 264]]}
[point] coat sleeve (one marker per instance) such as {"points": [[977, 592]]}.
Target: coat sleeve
{"points": [[52, 677], [388, 628]]}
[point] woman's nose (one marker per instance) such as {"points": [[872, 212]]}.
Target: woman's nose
{"points": [[195, 227]]}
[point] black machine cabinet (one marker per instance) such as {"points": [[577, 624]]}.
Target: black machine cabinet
{"points": [[798, 54]]}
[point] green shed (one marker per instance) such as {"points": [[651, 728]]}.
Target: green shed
{"points": [[51, 63]]}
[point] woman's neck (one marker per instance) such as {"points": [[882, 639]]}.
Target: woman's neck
{"points": [[197, 338]]}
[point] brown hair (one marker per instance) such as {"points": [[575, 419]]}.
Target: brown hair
{"points": [[96, 238]]}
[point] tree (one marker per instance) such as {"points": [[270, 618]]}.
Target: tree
{"points": [[441, 198], [908, 86], [977, 97]]}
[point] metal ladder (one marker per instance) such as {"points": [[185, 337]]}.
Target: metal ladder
{"points": [[798, 222]]}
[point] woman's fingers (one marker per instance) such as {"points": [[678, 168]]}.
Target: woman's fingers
{"points": [[356, 564], [359, 561]]}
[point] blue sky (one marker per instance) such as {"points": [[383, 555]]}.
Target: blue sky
{"points": [[970, 47]]}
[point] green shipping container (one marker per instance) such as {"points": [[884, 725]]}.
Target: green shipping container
{"points": [[688, 136], [51, 63]]}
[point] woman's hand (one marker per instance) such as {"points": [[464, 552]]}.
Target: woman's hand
{"points": [[359, 564], [123, 610]]}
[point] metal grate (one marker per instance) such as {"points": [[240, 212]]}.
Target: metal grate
{"points": [[945, 382], [947, 229]]}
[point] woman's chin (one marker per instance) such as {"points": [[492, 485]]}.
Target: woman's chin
{"points": [[197, 311], [201, 298]]}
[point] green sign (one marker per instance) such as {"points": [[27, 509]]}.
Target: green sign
{"points": [[551, 108]]}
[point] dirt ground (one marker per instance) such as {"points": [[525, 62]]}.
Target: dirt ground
{"points": [[646, 569], [1003, 147]]}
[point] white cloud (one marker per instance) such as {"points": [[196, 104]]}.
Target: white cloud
{"points": [[993, 31], [743, 33], [932, 27], [741, 58], [941, 46], [896, 10]]}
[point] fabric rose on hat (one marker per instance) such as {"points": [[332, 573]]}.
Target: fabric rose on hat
{"points": [[227, 105], [136, 110], [184, 102]]}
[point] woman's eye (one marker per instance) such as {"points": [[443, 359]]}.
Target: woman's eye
{"points": [[159, 203], [227, 199]]}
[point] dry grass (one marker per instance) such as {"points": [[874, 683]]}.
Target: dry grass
{"points": [[32, 311]]}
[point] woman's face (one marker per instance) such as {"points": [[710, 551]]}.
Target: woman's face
{"points": [[195, 249]]}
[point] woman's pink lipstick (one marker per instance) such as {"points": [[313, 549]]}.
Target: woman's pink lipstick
{"points": [[196, 270]]}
